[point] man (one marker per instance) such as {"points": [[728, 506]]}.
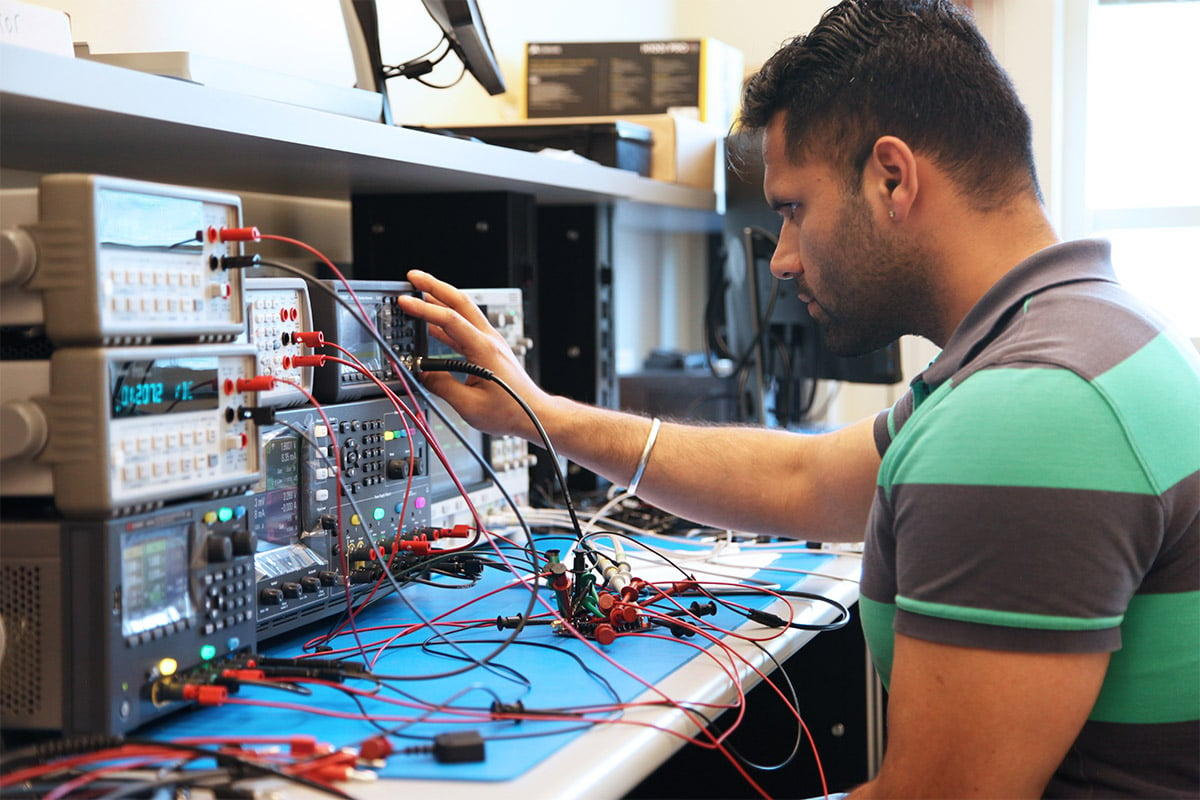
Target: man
{"points": [[1031, 507]]}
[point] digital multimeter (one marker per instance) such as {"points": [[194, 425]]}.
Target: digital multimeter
{"points": [[114, 430], [117, 261]]}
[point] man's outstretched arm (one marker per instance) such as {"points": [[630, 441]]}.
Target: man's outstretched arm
{"points": [[768, 481]]}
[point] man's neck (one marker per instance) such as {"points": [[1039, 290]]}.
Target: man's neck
{"points": [[978, 249]]}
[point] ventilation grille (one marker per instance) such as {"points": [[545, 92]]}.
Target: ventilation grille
{"points": [[22, 667]]}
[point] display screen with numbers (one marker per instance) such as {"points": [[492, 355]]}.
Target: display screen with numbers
{"points": [[163, 386]]}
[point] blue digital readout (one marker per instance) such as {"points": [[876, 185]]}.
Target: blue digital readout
{"points": [[163, 386]]}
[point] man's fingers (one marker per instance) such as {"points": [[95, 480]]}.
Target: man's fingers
{"points": [[452, 318], [439, 383], [437, 333], [443, 294], [445, 324]]}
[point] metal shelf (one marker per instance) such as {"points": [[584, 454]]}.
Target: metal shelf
{"points": [[70, 115]]}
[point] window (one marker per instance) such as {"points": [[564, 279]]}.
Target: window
{"points": [[1142, 166]]}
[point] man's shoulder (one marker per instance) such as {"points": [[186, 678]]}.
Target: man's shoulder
{"points": [[1088, 328]]}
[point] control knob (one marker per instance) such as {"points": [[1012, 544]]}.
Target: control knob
{"points": [[244, 543], [219, 549]]}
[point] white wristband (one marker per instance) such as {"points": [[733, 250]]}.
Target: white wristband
{"points": [[655, 424]]}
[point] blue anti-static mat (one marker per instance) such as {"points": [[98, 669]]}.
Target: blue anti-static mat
{"points": [[554, 679]]}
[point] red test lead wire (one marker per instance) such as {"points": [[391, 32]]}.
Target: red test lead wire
{"points": [[310, 338], [461, 531], [419, 546], [234, 234], [259, 383], [206, 694]]}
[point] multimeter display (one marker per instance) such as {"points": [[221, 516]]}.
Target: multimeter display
{"points": [[136, 219], [163, 386]]}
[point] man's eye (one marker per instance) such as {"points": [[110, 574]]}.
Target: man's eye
{"points": [[788, 210]]}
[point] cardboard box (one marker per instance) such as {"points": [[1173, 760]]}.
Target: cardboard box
{"points": [[686, 151], [700, 77]]}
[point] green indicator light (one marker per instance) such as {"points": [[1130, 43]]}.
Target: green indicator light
{"points": [[207, 652], [225, 513], [378, 514]]}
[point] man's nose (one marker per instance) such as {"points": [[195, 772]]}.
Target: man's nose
{"points": [[785, 262]]}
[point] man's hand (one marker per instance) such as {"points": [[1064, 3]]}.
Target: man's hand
{"points": [[458, 323]]}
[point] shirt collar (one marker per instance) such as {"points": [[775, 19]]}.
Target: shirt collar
{"points": [[1067, 262]]}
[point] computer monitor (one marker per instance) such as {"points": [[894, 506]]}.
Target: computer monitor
{"points": [[461, 26]]}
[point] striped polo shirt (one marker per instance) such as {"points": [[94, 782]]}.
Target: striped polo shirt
{"points": [[1040, 491]]}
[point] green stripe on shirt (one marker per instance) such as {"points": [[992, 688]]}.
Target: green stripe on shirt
{"points": [[1159, 639], [1039, 427], [877, 619], [1008, 619], [1170, 452]]}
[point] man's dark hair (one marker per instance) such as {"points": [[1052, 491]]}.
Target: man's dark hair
{"points": [[916, 69]]}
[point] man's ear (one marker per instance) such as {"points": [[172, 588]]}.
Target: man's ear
{"points": [[890, 177]]}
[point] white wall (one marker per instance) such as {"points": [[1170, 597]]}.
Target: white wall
{"points": [[297, 37], [305, 37], [1028, 39]]}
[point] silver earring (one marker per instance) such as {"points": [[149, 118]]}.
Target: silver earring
{"points": [[892, 213]]}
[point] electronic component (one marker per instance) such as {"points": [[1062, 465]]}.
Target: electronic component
{"points": [[337, 383], [586, 609], [95, 611], [295, 514], [276, 310], [125, 429], [118, 261]]}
